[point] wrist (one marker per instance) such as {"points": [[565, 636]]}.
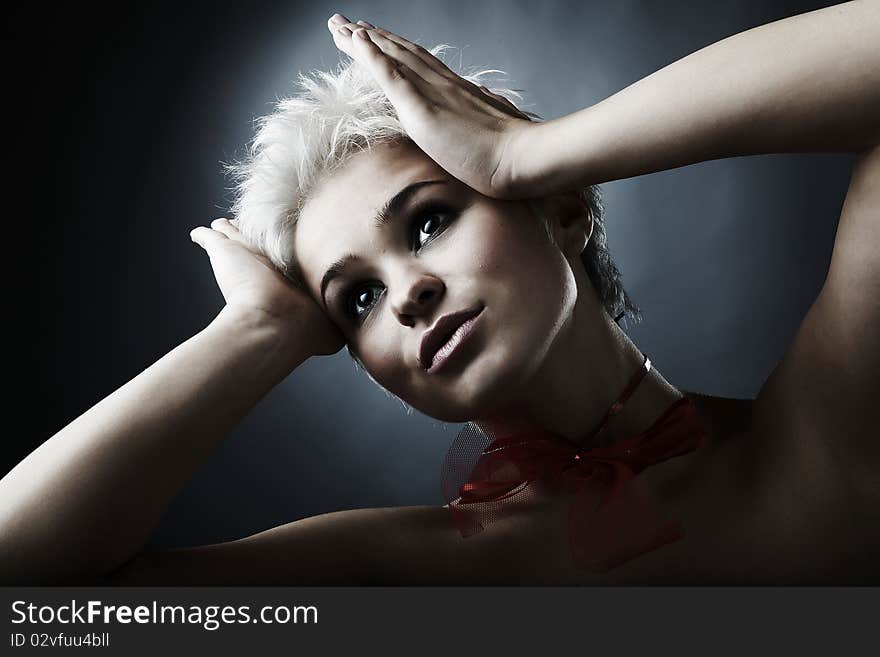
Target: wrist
{"points": [[264, 332], [549, 157]]}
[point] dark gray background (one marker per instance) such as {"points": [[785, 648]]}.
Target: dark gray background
{"points": [[138, 105], [403, 620]]}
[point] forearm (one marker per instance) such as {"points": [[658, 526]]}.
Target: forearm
{"points": [[805, 83], [88, 498]]}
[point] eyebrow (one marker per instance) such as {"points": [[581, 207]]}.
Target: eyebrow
{"points": [[383, 217]]}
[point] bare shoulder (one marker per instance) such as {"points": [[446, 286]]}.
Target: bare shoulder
{"points": [[819, 405], [390, 545]]}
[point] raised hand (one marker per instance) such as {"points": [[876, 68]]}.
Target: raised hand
{"points": [[469, 131], [251, 284]]}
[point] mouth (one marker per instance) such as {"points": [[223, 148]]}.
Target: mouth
{"points": [[442, 340]]}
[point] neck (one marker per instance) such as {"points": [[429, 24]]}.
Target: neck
{"points": [[588, 366]]}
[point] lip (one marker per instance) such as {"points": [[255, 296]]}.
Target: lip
{"points": [[439, 334]]}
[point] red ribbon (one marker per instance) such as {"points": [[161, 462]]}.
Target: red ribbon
{"points": [[613, 518]]}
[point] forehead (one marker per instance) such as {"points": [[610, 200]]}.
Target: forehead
{"points": [[337, 217]]}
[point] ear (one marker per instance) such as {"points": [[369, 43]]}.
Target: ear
{"points": [[571, 223]]}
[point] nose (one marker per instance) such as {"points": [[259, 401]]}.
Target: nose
{"points": [[418, 297]]}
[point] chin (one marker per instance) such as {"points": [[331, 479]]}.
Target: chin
{"points": [[491, 382]]}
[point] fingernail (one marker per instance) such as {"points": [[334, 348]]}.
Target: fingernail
{"points": [[344, 31], [366, 24], [338, 18], [362, 34]]}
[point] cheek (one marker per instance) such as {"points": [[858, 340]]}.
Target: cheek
{"points": [[521, 265], [382, 356], [487, 250]]}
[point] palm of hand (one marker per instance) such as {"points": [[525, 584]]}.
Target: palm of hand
{"points": [[468, 130]]}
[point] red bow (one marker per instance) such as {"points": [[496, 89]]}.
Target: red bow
{"points": [[612, 519]]}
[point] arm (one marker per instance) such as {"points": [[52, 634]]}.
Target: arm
{"points": [[88, 498], [806, 83], [411, 545]]}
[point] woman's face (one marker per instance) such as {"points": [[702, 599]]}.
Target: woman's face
{"points": [[445, 249]]}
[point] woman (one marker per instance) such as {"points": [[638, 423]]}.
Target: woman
{"points": [[484, 292]]}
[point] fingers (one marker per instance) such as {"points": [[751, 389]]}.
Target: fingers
{"points": [[223, 231], [403, 86], [425, 57], [206, 237], [348, 35], [228, 228], [402, 54], [504, 101], [412, 61]]}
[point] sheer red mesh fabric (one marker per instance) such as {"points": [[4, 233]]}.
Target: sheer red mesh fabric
{"points": [[613, 517]]}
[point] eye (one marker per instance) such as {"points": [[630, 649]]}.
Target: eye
{"points": [[359, 300], [430, 222]]}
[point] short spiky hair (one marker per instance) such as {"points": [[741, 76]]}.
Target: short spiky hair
{"points": [[313, 133]]}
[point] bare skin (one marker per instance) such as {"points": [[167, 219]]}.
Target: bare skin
{"points": [[787, 488]]}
